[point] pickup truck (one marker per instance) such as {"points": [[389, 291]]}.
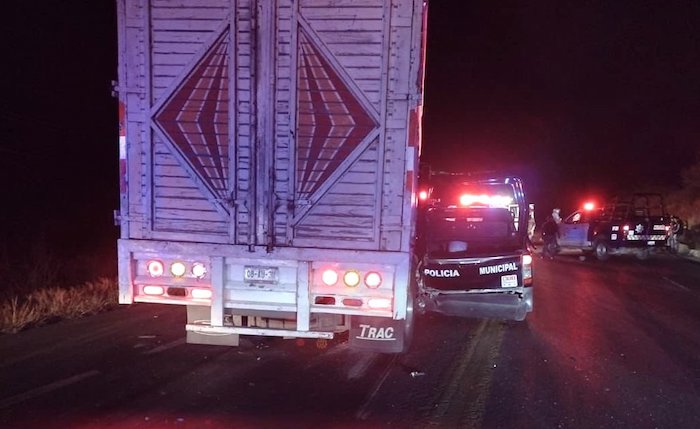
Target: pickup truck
{"points": [[473, 255], [637, 225]]}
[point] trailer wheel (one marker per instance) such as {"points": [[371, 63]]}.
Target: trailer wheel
{"points": [[601, 249]]}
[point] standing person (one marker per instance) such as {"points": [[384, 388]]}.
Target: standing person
{"points": [[556, 215], [531, 225], [550, 232]]}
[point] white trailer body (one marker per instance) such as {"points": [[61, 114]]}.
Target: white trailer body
{"points": [[268, 161]]}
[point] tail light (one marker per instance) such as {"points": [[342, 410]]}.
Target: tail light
{"points": [[351, 278], [178, 269], [155, 268], [199, 270], [379, 303], [373, 280], [527, 269], [153, 290], [329, 277], [201, 293]]}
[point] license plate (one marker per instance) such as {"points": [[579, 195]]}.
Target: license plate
{"points": [[260, 274], [510, 280]]}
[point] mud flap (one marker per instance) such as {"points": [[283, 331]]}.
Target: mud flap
{"points": [[378, 334]]}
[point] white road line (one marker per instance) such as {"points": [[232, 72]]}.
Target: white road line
{"points": [[685, 288], [166, 346], [46, 389], [364, 412]]}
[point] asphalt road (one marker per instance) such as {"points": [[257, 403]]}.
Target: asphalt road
{"points": [[609, 345]]}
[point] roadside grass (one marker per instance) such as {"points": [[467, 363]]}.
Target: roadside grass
{"points": [[57, 303]]}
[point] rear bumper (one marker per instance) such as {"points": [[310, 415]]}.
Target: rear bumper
{"points": [[639, 244], [511, 305]]}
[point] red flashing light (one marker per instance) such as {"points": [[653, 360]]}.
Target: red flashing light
{"points": [[588, 206], [485, 200], [423, 195]]}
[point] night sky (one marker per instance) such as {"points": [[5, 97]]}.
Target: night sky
{"points": [[579, 97]]}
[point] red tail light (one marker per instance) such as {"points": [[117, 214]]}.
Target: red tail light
{"points": [[154, 268], [527, 269]]}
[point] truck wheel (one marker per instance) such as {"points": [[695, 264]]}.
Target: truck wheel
{"points": [[409, 322], [602, 249]]}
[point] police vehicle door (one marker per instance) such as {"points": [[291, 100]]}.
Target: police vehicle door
{"points": [[574, 229]]}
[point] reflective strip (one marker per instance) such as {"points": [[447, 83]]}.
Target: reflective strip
{"points": [[646, 237], [122, 147]]}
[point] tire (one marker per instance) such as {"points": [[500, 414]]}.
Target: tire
{"points": [[409, 322], [601, 248]]}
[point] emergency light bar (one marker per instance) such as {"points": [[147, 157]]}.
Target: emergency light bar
{"points": [[485, 200]]}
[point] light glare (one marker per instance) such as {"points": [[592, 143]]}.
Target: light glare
{"points": [[485, 200]]}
